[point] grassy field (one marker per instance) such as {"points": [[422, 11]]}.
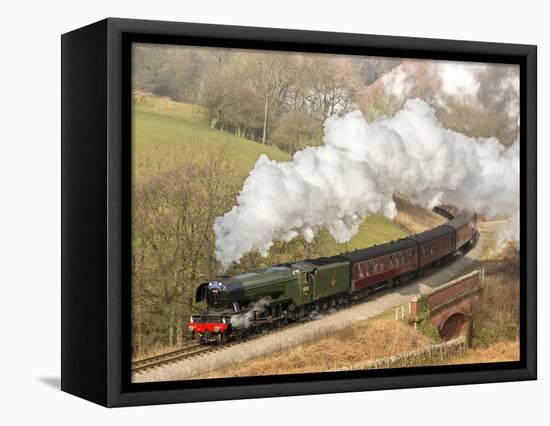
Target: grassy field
{"points": [[162, 142], [166, 107], [374, 230], [168, 133]]}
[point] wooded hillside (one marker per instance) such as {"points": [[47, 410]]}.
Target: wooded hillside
{"points": [[185, 174]]}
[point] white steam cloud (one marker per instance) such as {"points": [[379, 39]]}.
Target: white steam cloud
{"points": [[356, 172], [244, 320]]}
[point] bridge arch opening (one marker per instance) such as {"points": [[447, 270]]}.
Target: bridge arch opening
{"points": [[454, 326]]}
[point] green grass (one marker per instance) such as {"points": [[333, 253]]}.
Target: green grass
{"points": [[374, 230], [167, 133], [161, 142], [145, 102]]}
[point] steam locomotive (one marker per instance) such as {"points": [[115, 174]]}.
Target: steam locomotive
{"points": [[245, 304]]}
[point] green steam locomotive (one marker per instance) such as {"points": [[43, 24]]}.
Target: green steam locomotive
{"points": [[245, 304]]}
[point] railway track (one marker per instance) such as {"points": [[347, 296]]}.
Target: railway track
{"points": [[188, 351], [195, 349]]}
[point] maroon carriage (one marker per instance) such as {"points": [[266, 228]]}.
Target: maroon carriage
{"points": [[435, 244], [375, 266], [465, 225]]}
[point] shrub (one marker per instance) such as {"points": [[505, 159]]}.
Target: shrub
{"points": [[424, 325]]}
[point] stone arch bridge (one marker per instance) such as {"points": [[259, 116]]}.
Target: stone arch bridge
{"points": [[449, 308]]}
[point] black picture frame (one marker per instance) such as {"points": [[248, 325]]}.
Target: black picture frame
{"points": [[96, 129]]}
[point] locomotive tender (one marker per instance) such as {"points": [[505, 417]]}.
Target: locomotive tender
{"points": [[245, 304]]}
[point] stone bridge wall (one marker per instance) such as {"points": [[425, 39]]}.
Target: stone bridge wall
{"points": [[450, 306], [454, 289]]}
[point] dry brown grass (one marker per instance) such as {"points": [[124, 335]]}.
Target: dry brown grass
{"points": [[496, 316], [414, 219], [365, 341], [498, 352]]}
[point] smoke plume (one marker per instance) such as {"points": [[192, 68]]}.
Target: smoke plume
{"points": [[355, 173]]}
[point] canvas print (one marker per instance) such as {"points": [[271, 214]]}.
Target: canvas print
{"points": [[298, 213]]}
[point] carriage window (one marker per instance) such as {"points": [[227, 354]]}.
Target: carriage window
{"points": [[370, 268]]}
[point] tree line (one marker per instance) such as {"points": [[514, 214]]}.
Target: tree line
{"points": [[281, 99]]}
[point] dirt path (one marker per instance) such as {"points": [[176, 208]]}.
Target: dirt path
{"points": [[377, 304]]}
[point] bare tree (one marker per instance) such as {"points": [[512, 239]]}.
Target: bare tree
{"points": [[173, 242]]}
